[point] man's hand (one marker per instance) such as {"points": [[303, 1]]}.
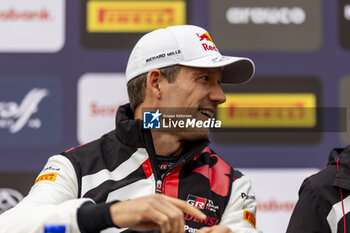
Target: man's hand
{"points": [[215, 229], [153, 212]]}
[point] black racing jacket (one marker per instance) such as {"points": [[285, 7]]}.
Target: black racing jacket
{"points": [[79, 185], [324, 201]]}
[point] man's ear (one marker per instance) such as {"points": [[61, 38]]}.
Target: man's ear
{"points": [[154, 77]]}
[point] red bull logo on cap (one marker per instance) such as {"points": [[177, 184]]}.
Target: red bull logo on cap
{"points": [[205, 38]]}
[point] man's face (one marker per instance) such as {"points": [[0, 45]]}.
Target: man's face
{"points": [[196, 91]]}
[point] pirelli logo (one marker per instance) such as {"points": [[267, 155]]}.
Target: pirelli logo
{"points": [[133, 16], [249, 217], [48, 177], [268, 110]]}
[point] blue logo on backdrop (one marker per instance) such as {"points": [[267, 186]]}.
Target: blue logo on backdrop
{"points": [[151, 120], [30, 110]]}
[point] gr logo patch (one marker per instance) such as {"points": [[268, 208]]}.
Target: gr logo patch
{"points": [[198, 202]]}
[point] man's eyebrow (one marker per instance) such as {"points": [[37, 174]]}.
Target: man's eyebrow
{"points": [[203, 73], [200, 73]]}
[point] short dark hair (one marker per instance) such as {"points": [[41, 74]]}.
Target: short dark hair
{"points": [[136, 86]]}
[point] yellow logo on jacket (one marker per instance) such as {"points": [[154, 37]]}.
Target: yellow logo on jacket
{"points": [[249, 217], [48, 177]]}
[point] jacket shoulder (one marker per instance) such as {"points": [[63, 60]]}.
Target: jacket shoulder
{"points": [[222, 164], [104, 153], [322, 179]]}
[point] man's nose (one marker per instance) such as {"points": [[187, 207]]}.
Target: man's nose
{"points": [[217, 95]]}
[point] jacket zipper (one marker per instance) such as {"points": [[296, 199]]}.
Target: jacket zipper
{"points": [[159, 182], [159, 185]]}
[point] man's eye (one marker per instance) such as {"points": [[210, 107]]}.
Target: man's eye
{"points": [[205, 78]]}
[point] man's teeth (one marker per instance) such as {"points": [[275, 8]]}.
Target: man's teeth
{"points": [[208, 113]]}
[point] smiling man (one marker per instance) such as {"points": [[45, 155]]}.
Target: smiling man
{"points": [[195, 92], [139, 179]]}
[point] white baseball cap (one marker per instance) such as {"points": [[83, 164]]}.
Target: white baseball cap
{"points": [[186, 45]]}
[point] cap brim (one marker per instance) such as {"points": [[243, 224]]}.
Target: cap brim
{"points": [[236, 69]]}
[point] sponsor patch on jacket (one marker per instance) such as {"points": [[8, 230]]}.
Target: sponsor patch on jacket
{"points": [[48, 177], [51, 168], [209, 221], [249, 217], [202, 203], [245, 196], [198, 202], [189, 229]]}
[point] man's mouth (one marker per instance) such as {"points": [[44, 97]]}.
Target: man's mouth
{"points": [[207, 113]]}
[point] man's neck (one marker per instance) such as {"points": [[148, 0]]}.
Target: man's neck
{"points": [[166, 144]]}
